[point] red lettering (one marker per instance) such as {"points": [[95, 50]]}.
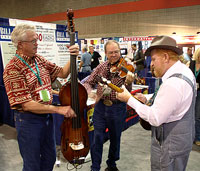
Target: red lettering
{"points": [[40, 37]]}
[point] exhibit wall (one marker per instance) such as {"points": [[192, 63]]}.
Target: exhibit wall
{"points": [[112, 18]]}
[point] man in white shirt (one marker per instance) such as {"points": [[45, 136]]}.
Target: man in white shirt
{"points": [[188, 56], [172, 114]]}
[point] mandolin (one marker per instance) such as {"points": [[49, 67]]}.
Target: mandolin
{"points": [[143, 123]]}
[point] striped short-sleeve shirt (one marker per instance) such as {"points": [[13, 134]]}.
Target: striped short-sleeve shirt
{"points": [[21, 83]]}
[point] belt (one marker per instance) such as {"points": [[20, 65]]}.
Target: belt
{"points": [[25, 115], [108, 102]]}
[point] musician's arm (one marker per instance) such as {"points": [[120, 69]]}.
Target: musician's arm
{"points": [[64, 72]]}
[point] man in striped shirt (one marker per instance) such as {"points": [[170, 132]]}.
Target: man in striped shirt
{"points": [[27, 79], [108, 112]]}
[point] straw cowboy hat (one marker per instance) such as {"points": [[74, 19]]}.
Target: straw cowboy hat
{"points": [[163, 42]]}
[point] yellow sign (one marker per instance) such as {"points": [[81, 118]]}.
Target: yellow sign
{"points": [[90, 120]]}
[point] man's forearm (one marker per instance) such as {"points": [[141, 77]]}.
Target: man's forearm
{"points": [[64, 72], [39, 108]]}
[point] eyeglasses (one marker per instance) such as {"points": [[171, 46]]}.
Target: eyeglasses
{"points": [[113, 52], [32, 41]]}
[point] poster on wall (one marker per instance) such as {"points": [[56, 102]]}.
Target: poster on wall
{"points": [[63, 55], [7, 48], [51, 42], [46, 44], [8, 51], [63, 39]]}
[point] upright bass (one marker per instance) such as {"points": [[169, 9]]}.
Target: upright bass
{"points": [[74, 131]]}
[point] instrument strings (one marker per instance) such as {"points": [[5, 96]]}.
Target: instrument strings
{"points": [[75, 98]]}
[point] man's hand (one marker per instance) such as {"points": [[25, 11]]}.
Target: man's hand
{"points": [[124, 96], [141, 97], [67, 111], [129, 78], [74, 49]]}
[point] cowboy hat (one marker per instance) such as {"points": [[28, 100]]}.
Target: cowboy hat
{"points": [[163, 42]]}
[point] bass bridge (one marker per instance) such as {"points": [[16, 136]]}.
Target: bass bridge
{"points": [[78, 146]]}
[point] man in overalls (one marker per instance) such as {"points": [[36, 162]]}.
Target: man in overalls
{"points": [[172, 113]]}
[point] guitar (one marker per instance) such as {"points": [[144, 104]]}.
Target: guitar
{"points": [[143, 123]]}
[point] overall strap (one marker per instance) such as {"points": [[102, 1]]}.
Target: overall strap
{"points": [[181, 76]]}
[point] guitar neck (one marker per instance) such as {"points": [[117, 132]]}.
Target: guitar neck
{"points": [[114, 87], [138, 99]]}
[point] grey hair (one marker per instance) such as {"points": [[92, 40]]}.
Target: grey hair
{"points": [[19, 32]]}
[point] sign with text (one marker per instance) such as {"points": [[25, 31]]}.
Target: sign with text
{"points": [[137, 38], [51, 44], [5, 33]]}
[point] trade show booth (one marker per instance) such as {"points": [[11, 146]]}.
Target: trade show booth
{"points": [[52, 45]]}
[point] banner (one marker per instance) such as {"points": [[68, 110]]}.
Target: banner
{"points": [[51, 42], [138, 38], [5, 32]]}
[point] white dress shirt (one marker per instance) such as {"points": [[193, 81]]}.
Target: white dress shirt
{"points": [[173, 98]]}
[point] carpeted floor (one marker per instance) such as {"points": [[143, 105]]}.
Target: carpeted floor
{"points": [[135, 152]]}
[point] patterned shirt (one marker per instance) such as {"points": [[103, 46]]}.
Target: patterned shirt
{"points": [[103, 70], [21, 83]]}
